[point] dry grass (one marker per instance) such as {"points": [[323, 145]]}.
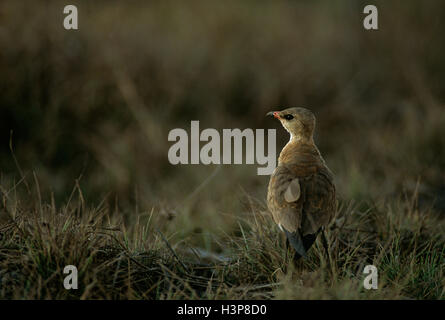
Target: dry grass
{"points": [[142, 262]]}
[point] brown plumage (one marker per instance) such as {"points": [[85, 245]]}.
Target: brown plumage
{"points": [[301, 193]]}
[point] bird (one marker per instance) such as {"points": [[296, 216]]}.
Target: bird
{"points": [[301, 194]]}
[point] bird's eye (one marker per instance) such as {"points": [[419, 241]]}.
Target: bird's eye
{"points": [[288, 117]]}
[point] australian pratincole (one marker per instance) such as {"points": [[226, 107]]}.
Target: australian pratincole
{"points": [[301, 194]]}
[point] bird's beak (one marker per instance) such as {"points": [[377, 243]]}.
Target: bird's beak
{"points": [[273, 113]]}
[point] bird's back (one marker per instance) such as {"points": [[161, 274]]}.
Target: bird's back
{"points": [[316, 203]]}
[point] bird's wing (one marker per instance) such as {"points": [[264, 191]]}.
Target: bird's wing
{"points": [[314, 194], [319, 203], [283, 198]]}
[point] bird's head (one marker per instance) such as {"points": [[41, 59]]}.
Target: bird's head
{"points": [[299, 122]]}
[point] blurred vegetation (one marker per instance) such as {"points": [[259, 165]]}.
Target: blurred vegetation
{"points": [[91, 110]]}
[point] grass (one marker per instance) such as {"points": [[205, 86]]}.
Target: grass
{"points": [[140, 261]]}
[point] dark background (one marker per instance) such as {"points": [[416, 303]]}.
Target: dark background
{"points": [[98, 103]]}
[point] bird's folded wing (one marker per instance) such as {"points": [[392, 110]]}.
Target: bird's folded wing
{"points": [[285, 213], [320, 202], [302, 202]]}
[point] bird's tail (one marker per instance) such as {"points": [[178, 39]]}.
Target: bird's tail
{"points": [[301, 244]]}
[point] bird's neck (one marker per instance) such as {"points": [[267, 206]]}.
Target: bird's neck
{"points": [[300, 150], [301, 139]]}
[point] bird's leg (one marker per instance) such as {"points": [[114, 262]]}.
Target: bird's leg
{"points": [[285, 257], [326, 247]]}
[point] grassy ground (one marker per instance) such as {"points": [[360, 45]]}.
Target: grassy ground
{"points": [[141, 261], [84, 174]]}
